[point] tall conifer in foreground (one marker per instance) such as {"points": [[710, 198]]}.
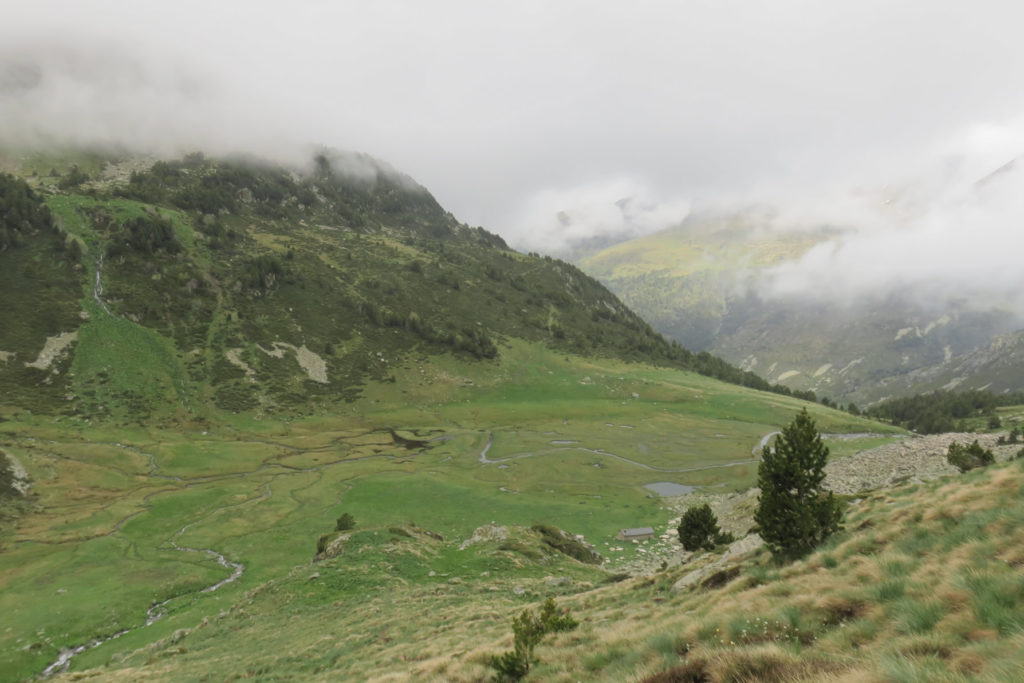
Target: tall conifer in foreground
{"points": [[795, 513]]}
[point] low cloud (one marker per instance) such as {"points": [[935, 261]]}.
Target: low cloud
{"points": [[955, 231], [556, 221], [555, 123]]}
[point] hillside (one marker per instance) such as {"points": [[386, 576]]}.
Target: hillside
{"points": [[236, 285], [997, 367], [177, 290], [700, 283]]}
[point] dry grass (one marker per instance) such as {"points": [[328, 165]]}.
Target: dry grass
{"points": [[828, 624]]}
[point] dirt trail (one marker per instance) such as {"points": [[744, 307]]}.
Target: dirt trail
{"points": [[597, 451]]}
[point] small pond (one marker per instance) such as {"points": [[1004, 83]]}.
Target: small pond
{"points": [[667, 488]]}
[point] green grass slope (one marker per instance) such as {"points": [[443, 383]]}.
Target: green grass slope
{"points": [[683, 279]]}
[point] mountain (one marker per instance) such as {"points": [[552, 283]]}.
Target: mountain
{"points": [[141, 289], [701, 283], [997, 367]]}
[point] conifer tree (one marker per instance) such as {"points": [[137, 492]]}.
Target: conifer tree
{"points": [[795, 513]]}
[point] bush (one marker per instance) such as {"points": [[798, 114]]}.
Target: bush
{"points": [[146, 235], [345, 522], [699, 528], [262, 273], [795, 512], [75, 177], [527, 630], [967, 458]]}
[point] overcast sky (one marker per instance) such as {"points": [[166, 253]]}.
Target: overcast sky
{"points": [[552, 120]]}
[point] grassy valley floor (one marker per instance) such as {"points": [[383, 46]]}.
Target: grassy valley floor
{"points": [[127, 518]]}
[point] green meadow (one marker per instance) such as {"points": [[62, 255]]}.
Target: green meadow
{"points": [[124, 515]]}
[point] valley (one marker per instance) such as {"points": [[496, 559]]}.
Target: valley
{"points": [[260, 492], [290, 424]]}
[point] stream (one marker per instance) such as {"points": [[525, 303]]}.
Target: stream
{"points": [[154, 613], [97, 287]]}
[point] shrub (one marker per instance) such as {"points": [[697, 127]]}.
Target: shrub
{"points": [[146, 235], [527, 630], [262, 273], [345, 522], [75, 177], [967, 458]]}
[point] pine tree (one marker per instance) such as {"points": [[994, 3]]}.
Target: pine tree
{"points": [[795, 513], [698, 529]]}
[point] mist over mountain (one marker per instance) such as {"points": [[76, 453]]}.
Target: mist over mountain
{"points": [[517, 115], [854, 299]]}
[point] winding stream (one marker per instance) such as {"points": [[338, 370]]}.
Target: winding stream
{"points": [[155, 613]]}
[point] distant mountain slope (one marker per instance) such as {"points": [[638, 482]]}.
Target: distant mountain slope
{"points": [[699, 283], [166, 287], [997, 367], [684, 279]]}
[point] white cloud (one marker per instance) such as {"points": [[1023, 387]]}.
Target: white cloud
{"points": [[956, 232], [557, 220], [501, 109]]}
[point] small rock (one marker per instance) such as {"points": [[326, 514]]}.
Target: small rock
{"points": [[743, 546], [518, 590]]}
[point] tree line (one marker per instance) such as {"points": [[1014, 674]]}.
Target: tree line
{"points": [[942, 410]]}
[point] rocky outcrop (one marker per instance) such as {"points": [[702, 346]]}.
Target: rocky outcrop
{"points": [[911, 460], [489, 533], [915, 459]]}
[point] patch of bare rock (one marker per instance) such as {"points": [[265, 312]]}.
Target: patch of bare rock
{"points": [[912, 460]]}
